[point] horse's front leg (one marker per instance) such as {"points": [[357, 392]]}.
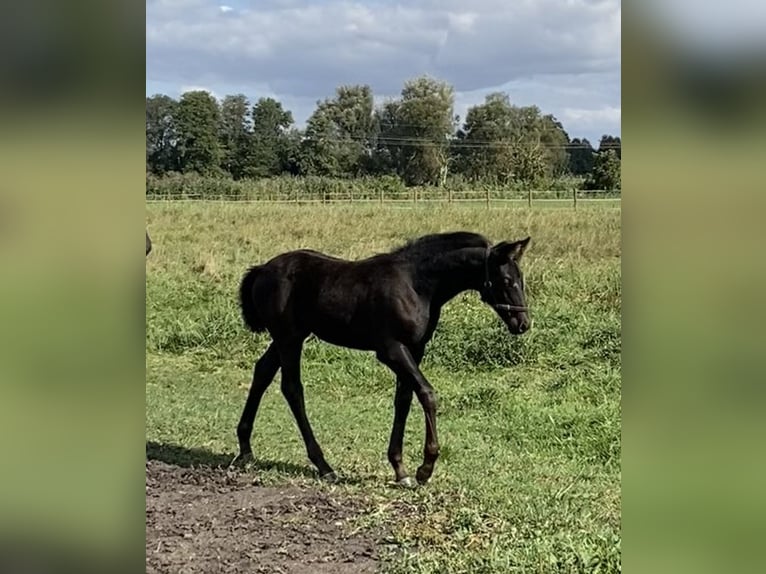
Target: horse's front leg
{"points": [[402, 403], [400, 360]]}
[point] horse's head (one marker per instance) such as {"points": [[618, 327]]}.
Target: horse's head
{"points": [[503, 287]]}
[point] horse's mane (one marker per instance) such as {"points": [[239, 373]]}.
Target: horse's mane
{"points": [[435, 244]]}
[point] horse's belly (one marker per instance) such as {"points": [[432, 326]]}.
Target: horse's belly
{"points": [[344, 338]]}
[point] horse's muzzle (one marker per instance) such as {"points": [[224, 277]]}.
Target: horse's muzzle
{"points": [[518, 323]]}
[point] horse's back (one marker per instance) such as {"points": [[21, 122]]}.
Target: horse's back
{"points": [[343, 302]]}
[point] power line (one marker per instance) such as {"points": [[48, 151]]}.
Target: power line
{"points": [[455, 142]]}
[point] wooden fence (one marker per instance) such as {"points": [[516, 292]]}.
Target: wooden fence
{"points": [[414, 197]]}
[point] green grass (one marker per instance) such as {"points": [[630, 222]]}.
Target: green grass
{"points": [[529, 476]]}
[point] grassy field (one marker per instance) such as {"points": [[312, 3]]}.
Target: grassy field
{"points": [[529, 477]]}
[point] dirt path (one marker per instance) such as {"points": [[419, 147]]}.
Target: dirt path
{"points": [[203, 520]]}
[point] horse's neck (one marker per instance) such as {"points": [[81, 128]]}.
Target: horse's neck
{"points": [[454, 272]]}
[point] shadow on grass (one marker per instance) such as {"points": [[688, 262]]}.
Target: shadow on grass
{"points": [[199, 457]]}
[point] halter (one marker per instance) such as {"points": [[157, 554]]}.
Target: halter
{"points": [[490, 295]]}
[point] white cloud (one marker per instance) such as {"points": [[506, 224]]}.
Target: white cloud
{"points": [[195, 88], [462, 21], [301, 50], [608, 114], [592, 123]]}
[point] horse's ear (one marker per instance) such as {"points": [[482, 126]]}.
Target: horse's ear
{"points": [[519, 247], [512, 250]]}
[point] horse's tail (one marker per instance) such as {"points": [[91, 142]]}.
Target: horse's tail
{"points": [[247, 301]]}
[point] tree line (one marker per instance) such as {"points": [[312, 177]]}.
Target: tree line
{"points": [[415, 137]]}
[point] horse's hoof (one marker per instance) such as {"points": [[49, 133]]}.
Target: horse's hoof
{"points": [[241, 460], [422, 476], [330, 477], [405, 482]]}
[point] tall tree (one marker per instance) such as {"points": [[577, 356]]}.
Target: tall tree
{"points": [[484, 146], [234, 133], [268, 144], [340, 133], [606, 172], [319, 151], [501, 142], [416, 130], [611, 142], [197, 121], [161, 134], [386, 157], [291, 151], [555, 141], [352, 110], [529, 152], [581, 156]]}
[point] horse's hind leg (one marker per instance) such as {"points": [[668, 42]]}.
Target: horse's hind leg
{"points": [[292, 389], [263, 374]]}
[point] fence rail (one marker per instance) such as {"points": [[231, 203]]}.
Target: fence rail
{"points": [[414, 197]]}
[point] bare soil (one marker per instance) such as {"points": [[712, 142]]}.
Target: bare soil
{"points": [[209, 520]]}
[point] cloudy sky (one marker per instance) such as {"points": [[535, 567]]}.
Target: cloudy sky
{"points": [[561, 55]]}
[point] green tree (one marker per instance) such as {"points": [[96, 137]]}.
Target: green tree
{"points": [[611, 142], [606, 172], [268, 147], [352, 111], [291, 151], [340, 133], [581, 156], [483, 149], [387, 157], [161, 134], [529, 151], [234, 134], [319, 150], [555, 141], [416, 129], [501, 142], [198, 119]]}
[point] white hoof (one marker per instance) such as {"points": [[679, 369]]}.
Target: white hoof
{"points": [[406, 482]]}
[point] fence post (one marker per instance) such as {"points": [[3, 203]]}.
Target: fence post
{"points": [[574, 197], [449, 195], [487, 198], [529, 197], [381, 196]]}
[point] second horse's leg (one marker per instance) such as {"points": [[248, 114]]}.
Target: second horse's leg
{"points": [[292, 389]]}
